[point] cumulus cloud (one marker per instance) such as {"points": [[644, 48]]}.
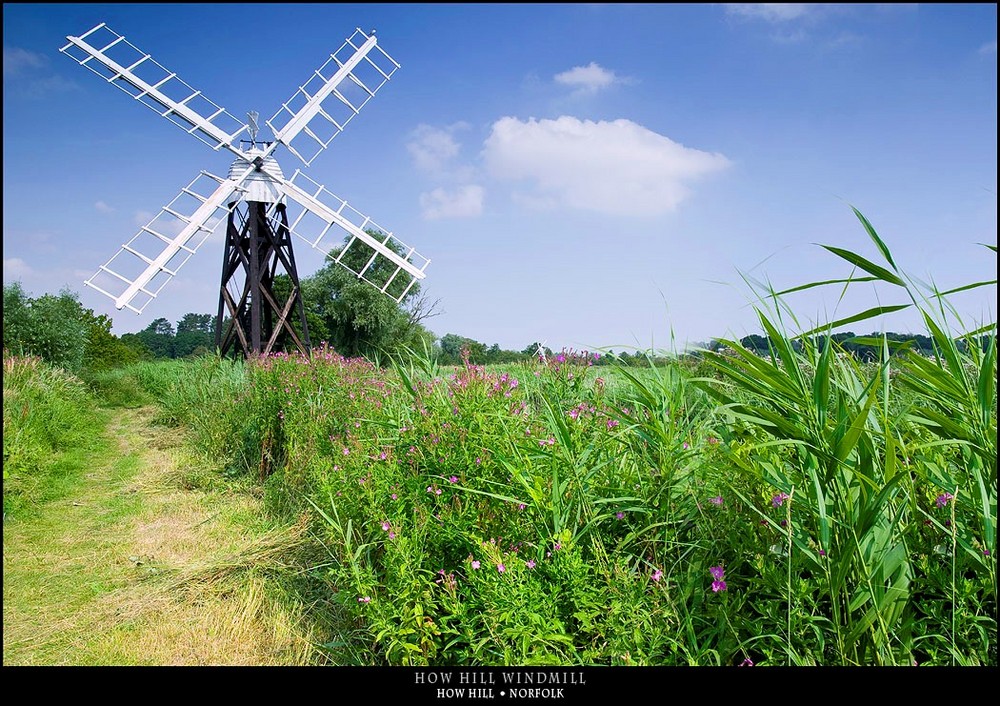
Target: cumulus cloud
{"points": [[27, 74], [588, 79], [464, 202], [434, 150], [768, 11], [988, 48], [618, 168], [16, 269], [16, 61], [103, 207]]}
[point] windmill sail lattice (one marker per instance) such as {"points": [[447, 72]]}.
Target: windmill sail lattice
{"points": [[261, 207]]}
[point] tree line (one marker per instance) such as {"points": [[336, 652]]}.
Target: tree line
{"points": [[348, 314]]}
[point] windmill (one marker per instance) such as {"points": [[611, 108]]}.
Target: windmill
{"points": [[260, 207], [541, 350]]}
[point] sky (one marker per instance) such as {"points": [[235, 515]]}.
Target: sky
{"points": [[590, 176]]}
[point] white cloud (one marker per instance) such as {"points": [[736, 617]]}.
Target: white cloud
{"points": [[988, 48], [770, 12], [103, 207], [16, 269], [618, 167], [142, 218], [17, 61], [588, 79], [463, 202], [434, 149], [28, 74]]}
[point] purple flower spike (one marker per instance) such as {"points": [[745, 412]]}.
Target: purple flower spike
{"points": [[943, 499]]}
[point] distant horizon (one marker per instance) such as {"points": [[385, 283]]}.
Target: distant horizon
{"points": [[598, 176]]}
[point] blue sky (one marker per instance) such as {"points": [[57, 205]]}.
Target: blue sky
{"points": [[588, 175]]}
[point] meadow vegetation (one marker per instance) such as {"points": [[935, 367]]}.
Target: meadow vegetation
{"points": [[793, 506]]}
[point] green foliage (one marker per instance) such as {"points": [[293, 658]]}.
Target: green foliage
{"points": [[51, 326], [48, 416], [783, 504], [104, 350]]}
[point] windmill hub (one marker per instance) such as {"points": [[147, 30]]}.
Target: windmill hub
{"points": [[263, 183]]}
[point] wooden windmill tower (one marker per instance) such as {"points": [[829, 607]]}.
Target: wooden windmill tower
{"points": [[260, 207]]}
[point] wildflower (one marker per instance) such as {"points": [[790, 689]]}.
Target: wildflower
{"points": [[778, 500], [718, 573], [383, 456], [392, 535], [365, 599], [501, 568], [386, 526], [453, 479], [713, 441], [822, 552], [685, 446], [520, 506], [619, 515], [612, 423], [717, 500], [475, 565], [437, 491], [347, 451], [394, 496], [530, 563], [657, 575], [943, 499], [747, 662]]}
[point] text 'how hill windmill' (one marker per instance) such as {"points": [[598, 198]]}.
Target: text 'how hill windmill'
{"points": [[261, 208]]}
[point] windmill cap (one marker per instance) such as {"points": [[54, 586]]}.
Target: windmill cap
{"points": [[260, 186]]}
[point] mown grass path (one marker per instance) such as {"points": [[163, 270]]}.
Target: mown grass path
{"points": [[149, 558]]}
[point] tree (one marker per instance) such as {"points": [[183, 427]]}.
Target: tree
{"points": [[158, 337], [195, 332], [103, 349], [356, 318], [50, 326]]}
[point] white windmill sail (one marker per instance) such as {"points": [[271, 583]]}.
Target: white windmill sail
{"points": [[316, 113], [135, 274], [132, 70], [391, 265]]}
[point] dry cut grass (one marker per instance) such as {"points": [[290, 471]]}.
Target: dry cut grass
{"points": [[136, 566]]}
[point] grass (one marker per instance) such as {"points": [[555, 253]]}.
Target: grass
{"points": [[136, 563], [557, 513], [795, 508]]}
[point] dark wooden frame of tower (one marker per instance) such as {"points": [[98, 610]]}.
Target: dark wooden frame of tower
{"points": [[259, 321]]}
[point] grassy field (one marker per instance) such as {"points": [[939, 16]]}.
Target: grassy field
{"points": [[795, 508], [130, 550]]}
